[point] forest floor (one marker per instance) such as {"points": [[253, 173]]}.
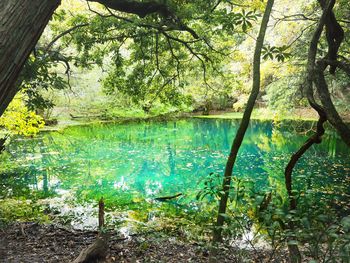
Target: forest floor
{"points": [[31, 242]]}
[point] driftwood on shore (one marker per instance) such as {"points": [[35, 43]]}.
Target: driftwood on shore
{"points": [[87, 116]]}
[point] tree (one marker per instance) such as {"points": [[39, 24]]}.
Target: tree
{"points": [[315, 80], [150, 61], [22, 24], [243, 125]]}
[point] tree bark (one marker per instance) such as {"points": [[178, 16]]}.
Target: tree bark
{"points": [[141, 9], [21, 25], [2, 144], [217, 234]]}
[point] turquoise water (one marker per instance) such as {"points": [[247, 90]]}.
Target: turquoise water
{"points": [[132, 163]]}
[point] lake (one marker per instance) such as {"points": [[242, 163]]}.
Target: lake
{"points": [[130, 164]]}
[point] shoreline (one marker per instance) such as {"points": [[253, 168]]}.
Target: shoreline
{"points": [[258, 114]]}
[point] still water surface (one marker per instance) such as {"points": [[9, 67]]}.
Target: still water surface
{"points": [[132, 163]]}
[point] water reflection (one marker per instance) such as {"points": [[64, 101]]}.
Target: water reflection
{"points": [[123, 162]]}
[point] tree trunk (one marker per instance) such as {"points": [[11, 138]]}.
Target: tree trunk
{"points": [[98, 249], [21, 25], [335, 37], [294, 252], [327, 103], [243, 125]]}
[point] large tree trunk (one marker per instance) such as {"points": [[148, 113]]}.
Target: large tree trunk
{"points": [[21, 25], [244, 123]]}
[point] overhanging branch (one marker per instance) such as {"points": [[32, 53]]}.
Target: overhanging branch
{"points": [[142, 9]]}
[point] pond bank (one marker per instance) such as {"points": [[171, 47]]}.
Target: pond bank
{"points": [[302, 114], [258, 114], [30, 242]]}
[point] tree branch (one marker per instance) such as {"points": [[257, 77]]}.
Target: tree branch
{"points": [[142, 9], [49, 46]]}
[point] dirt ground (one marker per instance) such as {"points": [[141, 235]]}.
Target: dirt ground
{"points": [[30, 242]]}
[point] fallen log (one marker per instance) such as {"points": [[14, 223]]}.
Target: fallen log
{"points": [[96, 116], [165, 198]]}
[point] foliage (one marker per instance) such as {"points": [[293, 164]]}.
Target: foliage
{"points": [[283, 94], [151, 62], [39, 75], [18, 119], [278, 53], [23, 210], [211, 187], [319, 227]]}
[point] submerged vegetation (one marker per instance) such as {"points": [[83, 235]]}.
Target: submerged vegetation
{"points": [[264, 83]]}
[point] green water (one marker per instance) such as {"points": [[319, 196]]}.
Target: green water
{"points": [[130, 164]]}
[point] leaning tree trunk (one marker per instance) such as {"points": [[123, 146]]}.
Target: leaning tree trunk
{"points": [[21, 25], [217, 236]]}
